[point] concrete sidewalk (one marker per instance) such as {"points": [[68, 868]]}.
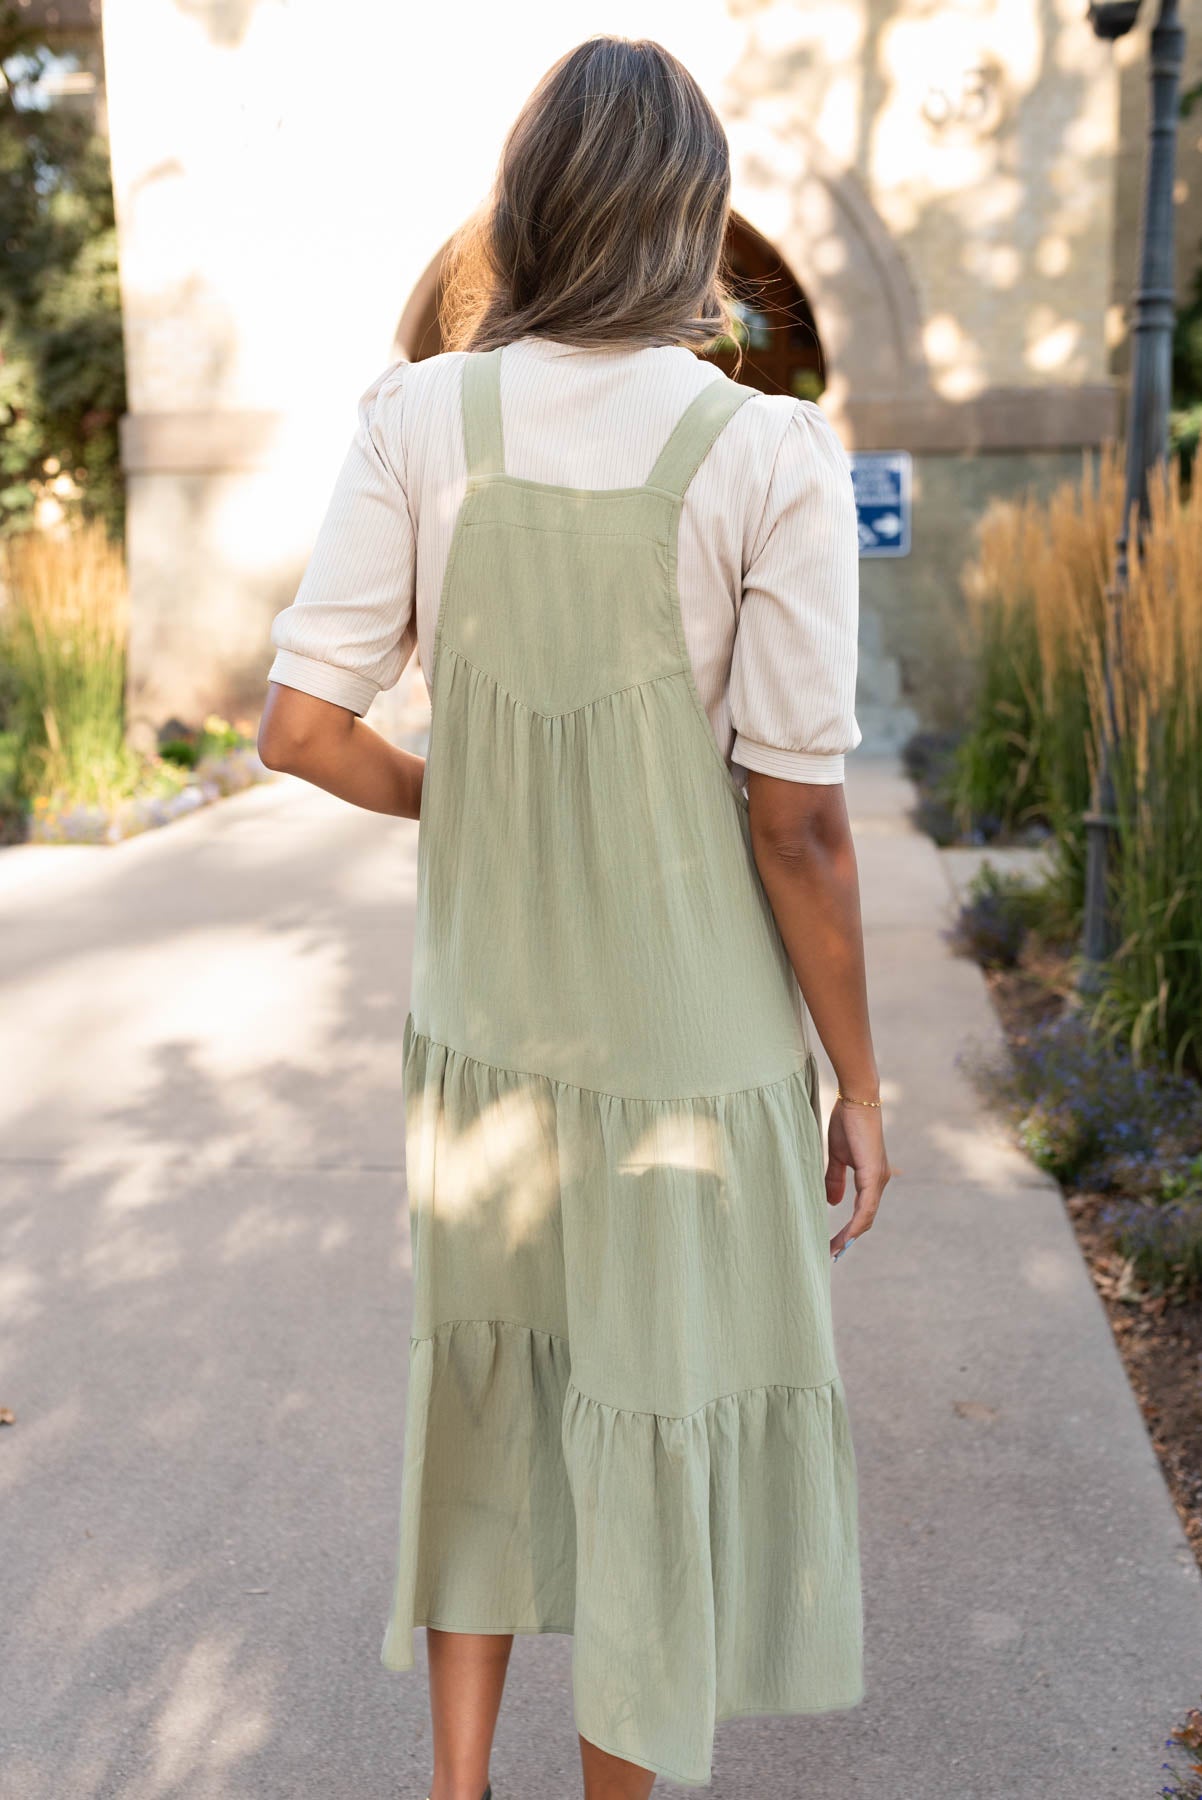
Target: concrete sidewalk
{"points": [[203, 1321]]}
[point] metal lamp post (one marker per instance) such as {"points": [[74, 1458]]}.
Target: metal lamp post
{"points": [[1147, 413]]}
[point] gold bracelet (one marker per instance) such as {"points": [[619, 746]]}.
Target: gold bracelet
{"points": [[849, 1101]]}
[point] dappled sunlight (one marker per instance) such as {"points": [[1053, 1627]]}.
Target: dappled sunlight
{"points": [[189, 1403], [496, 1167], [187, 1028], [260, 1231], [949, 84], [1053, 254], [203, 1247], [208, 1718], [1052, 343], [955, 369], [840, 116], [20, 1293], [687, 1140], [962, 382], [133, 1175], [981, 140], [981, 1153], [996, 266], [229, 992], [234, 995], [128, 1251], [97, 1608]]}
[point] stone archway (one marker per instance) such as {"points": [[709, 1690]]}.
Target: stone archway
{"points": [[864, 303], [782, 352], [838, 291]]}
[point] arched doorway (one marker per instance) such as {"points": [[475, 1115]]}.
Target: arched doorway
{"points": [[781, 349]]}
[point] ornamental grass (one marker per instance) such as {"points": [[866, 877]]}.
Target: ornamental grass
{"points": [[1035, 596], [1041, 627], [1153, 993], [63, 628]]}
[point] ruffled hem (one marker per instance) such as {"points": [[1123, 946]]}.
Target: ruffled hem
{"points": [[706, 1565]]}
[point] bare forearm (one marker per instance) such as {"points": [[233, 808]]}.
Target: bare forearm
{"points": [[801, 839], [812, 885], [342, 754]]}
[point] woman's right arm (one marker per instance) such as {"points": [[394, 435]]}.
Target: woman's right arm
{"points": [[801, 840]]}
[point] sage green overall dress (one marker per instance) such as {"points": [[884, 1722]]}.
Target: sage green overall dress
{"points": [[625, 1418]]}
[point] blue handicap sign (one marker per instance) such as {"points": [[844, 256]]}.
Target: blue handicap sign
{"points": [[881, 482]]}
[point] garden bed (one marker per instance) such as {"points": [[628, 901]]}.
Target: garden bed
{"points": [[177, 792], [1076, 669], [1157, 1324]]}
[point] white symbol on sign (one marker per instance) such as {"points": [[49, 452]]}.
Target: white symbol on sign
{"points": [[888, 525]]}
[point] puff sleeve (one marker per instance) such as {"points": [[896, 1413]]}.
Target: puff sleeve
{"points": [[793, 671], [352, 625]]}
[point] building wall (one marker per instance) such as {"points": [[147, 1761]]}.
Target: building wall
{"points": [[917, 599], [940, 178]]}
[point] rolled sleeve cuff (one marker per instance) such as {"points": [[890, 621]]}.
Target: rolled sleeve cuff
{"points": [[323, 680], [822, 767]]}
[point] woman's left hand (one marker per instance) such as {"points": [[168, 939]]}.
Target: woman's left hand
{"points": [[856, 1141]]}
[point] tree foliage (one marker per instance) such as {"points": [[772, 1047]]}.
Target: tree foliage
{"points": [[62, 365]]}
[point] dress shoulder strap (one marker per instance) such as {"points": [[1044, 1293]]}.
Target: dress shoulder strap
{"points": [[695, 431], [676, 464], [482, 440]]}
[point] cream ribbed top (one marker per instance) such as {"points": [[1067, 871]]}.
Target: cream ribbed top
{"points": [[768, 553]]}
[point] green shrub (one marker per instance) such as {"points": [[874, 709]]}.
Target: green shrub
{"points": [[1055, 1137], [1086, 1111], [998, 913], [62, 366], [179, 750], [216, 738], [1162, 1235]]}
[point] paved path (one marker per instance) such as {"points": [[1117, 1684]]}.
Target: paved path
{"points": [[202, 1329]]}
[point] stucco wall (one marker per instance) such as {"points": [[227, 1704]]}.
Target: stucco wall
{"points": [[918, 599], [939, 177]]}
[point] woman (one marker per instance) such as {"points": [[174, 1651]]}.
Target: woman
{"points": [[632, 585]]}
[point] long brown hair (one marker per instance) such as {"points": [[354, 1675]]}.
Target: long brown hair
{"points": [[607, 219]]}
